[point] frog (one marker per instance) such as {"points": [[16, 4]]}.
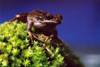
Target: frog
{"points": [[21, 17], [44, 22]]}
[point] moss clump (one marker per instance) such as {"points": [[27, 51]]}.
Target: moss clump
{"points": [[16, 50]]}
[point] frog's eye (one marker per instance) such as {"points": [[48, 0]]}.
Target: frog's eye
{"points": [[40, 18], [48, 15], [56, 18]]}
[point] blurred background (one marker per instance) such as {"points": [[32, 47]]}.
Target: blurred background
{"points": [[80, 28]]}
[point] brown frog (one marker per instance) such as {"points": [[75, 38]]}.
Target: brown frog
{"points": [[44, 22], [22, 17]]}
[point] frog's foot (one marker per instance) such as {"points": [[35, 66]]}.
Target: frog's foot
{"points": [[49, 50], [45, 42], [60, 42], [30, 34], [35, 36], [44, 46], [9, 22]]}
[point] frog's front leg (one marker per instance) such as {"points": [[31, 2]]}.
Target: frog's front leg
{"points": [[31, 34], [29, 26]]}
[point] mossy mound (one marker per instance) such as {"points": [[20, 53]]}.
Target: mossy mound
{"points": [[16, 50]]}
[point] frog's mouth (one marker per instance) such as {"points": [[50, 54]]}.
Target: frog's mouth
{"points": [[47, 21], [51, 21]]}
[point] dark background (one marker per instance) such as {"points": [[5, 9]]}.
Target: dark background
{"points": [[80, 27]]}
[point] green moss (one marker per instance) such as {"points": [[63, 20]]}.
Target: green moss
{"points": [[16, 50]]}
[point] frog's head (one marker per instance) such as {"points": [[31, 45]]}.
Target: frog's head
{"points": [[58, 18]]}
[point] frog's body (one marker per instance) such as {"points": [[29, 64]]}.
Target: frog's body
{"points": [[45, 22], [42, 21]]}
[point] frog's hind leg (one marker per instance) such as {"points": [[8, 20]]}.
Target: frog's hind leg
{"points": [[44, 45], [12, 20], [38, 37]]}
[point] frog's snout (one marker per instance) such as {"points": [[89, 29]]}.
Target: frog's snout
{"points": [[59, 16]]}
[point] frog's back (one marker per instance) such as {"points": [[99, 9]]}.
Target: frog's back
{"points": [[36, 13]]}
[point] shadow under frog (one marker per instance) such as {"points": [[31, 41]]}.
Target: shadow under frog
{"points": [[43, 22]]}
